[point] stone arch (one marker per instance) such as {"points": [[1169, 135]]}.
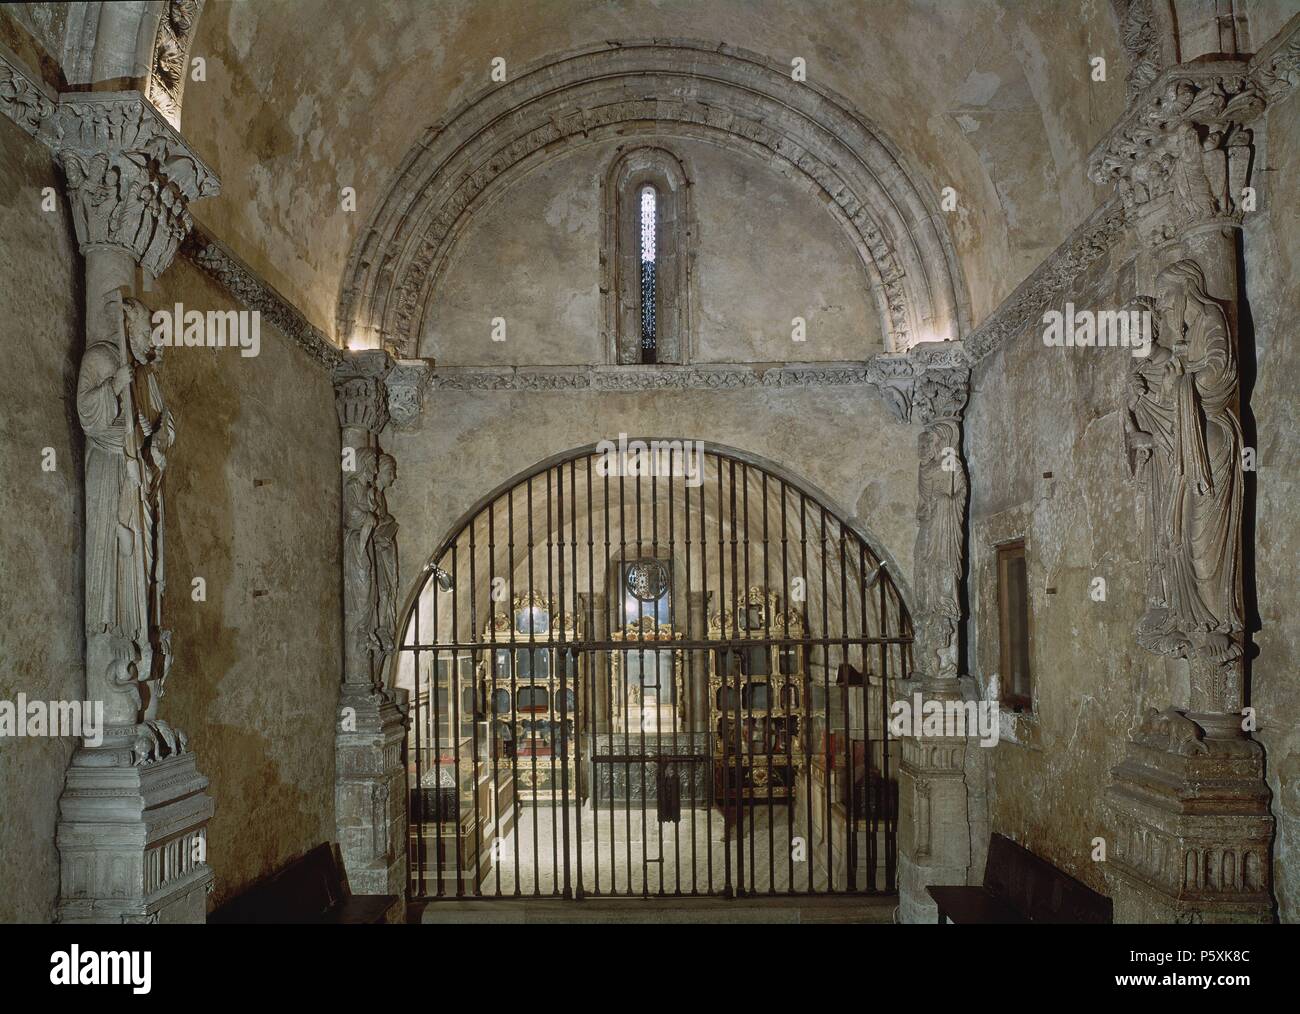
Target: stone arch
{"points": [[139, 43], [721, 94]]}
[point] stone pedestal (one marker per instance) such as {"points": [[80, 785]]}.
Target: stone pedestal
{"points": [[370, 789], [133, 843], [1193, 832], [934, 836]]}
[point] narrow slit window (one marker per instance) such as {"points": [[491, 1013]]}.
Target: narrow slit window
{"points": [[648, 281]]}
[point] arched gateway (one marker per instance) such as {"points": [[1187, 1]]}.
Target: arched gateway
{"points": [[652, 668]]}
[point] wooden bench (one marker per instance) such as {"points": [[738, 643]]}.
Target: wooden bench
{"points": [[311, 889], [1020, 887]]}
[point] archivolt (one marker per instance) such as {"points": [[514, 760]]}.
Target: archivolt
{"points": [[722, 94]]}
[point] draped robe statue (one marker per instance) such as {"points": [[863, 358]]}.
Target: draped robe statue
{"points": [[1184, 442], [128, 431], [384, 541], [361, 516], [940, 513]]}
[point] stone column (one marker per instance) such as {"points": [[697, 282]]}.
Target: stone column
{"points": [[934, 836], [1189, 806], [370, 777], [132, 830]]}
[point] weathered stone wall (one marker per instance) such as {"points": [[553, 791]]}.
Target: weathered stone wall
{"points": [[1273, 298], [253, 509], [841, 440], [41, 538], [1038, 410]]}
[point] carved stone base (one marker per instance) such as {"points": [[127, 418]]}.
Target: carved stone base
{"points": [[934, 838], [370, 790], [133, 843], [1193, 833]]}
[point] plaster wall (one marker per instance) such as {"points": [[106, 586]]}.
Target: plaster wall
{"points": [[983, 96], [533, 258], [253, 509], [841, 440], [41, 645]]}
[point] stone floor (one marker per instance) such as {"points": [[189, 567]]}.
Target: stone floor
{"points": [[640, 857]]}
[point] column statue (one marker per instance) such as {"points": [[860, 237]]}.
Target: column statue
{"points": [[129, 430]]}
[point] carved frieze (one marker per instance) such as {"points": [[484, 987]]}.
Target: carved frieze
{"points": [[250, 290], [24, 100], [1047, 282], [171, 56]]}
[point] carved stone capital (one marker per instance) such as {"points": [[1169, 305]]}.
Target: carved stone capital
{"points": [[929, 382], [360, 390], [407, 383], [941, 394], [130, 175], [1181, 157]]}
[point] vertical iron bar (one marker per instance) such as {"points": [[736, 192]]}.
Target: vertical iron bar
{"points": [[743, 738], [455, 712], [723, 659], [532, 682], [473, 718], [491, 693]]}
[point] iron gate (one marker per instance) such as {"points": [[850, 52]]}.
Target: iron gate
{"points": [[652, 670]]}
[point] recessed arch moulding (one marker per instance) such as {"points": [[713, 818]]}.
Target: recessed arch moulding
{"points": [[727, 96]]}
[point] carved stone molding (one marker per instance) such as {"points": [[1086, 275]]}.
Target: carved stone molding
{"points": [[130, 175], [1143, 34], [736, 98], [251, 291], [25, 100], [649, 378], [171, 53], [1276, 67], [1182, 155], [1053, 277]]}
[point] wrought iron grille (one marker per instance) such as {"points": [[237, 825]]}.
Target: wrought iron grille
{"points": [[652, 675]]}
